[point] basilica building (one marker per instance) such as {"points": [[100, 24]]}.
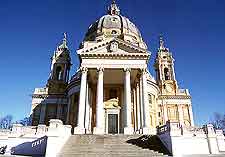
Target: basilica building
{"points": [[112, 92]]}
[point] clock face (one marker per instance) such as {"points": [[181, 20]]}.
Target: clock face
{"points": [[169, 88]]}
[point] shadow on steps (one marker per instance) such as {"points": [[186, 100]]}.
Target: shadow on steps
{"points": [[150, 142]]}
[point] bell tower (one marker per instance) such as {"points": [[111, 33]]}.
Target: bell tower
{"points": [[60, 67], [164, 67]]}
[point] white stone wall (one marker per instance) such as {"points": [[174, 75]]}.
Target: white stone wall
{"points": [[189, 141], [57, 134]]}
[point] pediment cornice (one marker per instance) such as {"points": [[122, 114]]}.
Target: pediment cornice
{"points": [[102, 49]]}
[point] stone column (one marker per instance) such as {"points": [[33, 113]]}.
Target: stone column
{"points": [[181, 115], [100, 113], [42, 114], [90, 110], [141, 104], [128, 129], [146, 113], [80, 129], [135, 109], [59, 111], [191, 115], [138, 109], [87, 110]]}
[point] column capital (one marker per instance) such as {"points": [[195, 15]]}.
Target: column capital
{"points": [[143, 70], [180, 106], [83, 69], [100, 69], [127, 69]]}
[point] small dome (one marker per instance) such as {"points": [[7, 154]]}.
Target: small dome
{"points": [[115, 25]]}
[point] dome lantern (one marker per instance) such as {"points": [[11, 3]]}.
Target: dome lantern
{"points": [[113, 9]]}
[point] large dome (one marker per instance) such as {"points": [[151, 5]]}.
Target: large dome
{"points": [[114, 25]]}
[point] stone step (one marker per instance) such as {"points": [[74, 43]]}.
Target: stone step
{"points": [[106, 146], [88, 154], [107, 150]]}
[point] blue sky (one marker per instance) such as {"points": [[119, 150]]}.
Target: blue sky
{"points": [[194, 31]]}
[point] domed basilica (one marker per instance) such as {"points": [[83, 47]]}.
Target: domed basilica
{"points": [[113, 91]]}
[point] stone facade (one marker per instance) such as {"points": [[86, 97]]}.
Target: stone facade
{"points": [[113, 91]]}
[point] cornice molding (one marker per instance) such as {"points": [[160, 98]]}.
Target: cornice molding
{"points": [[174, 97]]}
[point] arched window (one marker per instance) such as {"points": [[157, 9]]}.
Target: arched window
{"points": [[166, 74], [59, 73]]}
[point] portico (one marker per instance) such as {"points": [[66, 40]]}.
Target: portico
{"points": [[114, 106]]}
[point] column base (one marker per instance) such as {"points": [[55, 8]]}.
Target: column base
{"points": [[149, 131], [88, 132], [128, 131], [79, 130], [98, 131]]}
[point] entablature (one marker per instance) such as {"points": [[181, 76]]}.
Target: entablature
{"points": [[114, 63]]}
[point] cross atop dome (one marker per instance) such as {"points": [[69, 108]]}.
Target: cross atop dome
{"points": [[113, 9]]}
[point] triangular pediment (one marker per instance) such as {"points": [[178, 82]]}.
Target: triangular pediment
{"points": [[112, 46]]}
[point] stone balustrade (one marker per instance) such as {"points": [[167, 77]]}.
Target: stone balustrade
{"points": [[206, 138], [56, 127], [41, 91]]}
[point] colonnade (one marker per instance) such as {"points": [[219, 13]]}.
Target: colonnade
{"points": [[142, 114]]}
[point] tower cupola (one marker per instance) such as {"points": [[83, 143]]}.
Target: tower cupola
{"points": [[164, 67], [61, 62]]}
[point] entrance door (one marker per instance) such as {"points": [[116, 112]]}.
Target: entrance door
{"points": [[113, 123]]}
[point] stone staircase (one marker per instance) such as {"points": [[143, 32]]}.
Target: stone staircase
{"points": [[106, 146]]}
